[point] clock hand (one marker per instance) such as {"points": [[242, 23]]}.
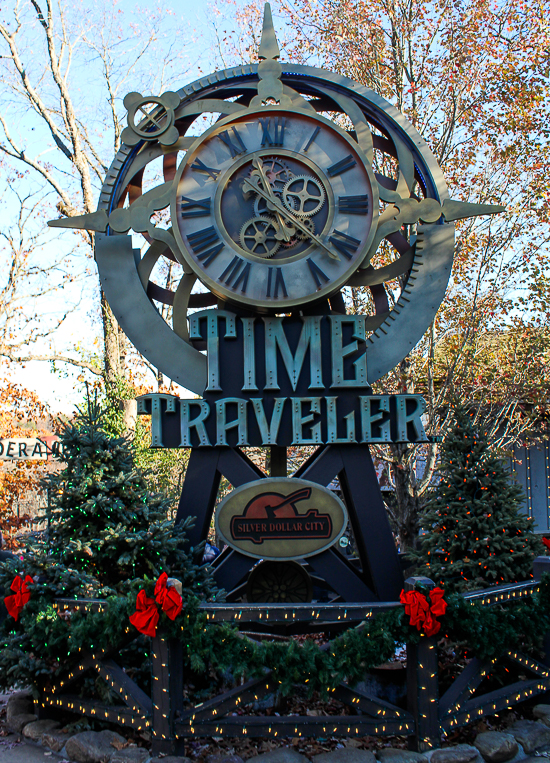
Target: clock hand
{"points": [[273, 203], [259, 165]]}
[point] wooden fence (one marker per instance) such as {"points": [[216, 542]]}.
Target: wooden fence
{"points": [[424, 719]]}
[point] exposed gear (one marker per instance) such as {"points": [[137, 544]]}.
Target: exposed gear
{"points": [[300, 235], [304, 195], [277, 172], [257, 237]]}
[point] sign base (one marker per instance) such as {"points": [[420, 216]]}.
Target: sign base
{"points": [[374, 575]]}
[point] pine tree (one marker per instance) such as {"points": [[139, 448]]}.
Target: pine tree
{"points": [[475, 534], [107, 534], [103, 520]]}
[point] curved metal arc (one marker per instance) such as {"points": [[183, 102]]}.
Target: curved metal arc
{"points": [[209, 106], [140, 321], [429, 277], [362, 130], [371, 276], [181, 306]]}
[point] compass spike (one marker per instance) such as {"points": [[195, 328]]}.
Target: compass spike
{"points": [[95, 221], [269, 48], [459, 210]]}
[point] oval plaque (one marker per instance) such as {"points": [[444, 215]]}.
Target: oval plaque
{"points": [[281, 518]]}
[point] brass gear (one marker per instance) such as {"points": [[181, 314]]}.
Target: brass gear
{"points": [[300, 235], [303, 195], [257, 237], [278, 173]]}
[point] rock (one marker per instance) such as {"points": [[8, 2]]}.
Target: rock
{"points": [[224, 758], [93, 746], [17, 722], [281, 755], [55, 740], [460, 753], [347, 755], [542, 712], [266, 702], [19, 703], [495, 746], [530, 734], [35, 729], [131, 755], [173, 759], [393, 755]]}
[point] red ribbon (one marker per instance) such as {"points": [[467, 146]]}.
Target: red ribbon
{"points": [[423, 614], [14, 604], [146, 616], [168, 598], [546, 543]]}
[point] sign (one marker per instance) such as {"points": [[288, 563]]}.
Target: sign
{"points": [[283, 381], [30, 448], [281, 519]]}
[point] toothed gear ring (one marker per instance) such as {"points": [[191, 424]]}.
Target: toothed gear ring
{"points": [[257, 237], [304, 195]]}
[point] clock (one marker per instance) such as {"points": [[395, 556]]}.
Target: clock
{"points": [[274, 209]]}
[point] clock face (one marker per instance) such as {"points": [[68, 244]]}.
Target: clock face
{"points": [[274, 208]]}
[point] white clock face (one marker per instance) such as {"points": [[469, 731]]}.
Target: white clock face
{"points": [[275, 208]]}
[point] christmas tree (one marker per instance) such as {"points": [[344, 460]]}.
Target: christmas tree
{"points": [[475, 534], [103, 520], [107, 537]]}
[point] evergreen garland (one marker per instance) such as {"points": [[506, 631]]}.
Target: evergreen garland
{"points": [[475, 534], [44, 643]]}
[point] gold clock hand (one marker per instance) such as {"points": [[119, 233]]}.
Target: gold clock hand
{"points": [[259, 165], [290, 217]]}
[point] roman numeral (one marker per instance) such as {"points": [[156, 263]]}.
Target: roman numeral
{"points": [[199, 166], [279, 283], [353, 205], [194, 207], [235, 148], [342, 166], [277, 126], [314, 134], [317, 273], [236, 273], [201, 240], [345, 244]]}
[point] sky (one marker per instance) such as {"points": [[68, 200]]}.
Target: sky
{"points": [[60, 387]]}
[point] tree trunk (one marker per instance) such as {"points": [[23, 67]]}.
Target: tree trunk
{"points": [[114, 346], [407, 504]]}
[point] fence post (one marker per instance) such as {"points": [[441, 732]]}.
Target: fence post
{"points": [[422, 684], [166, 693], [541, 564]]}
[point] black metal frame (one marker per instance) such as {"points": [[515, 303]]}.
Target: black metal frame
{"points": [[377, 577]]}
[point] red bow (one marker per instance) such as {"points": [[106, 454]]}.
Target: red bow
{"points": [[146, 616], [14, 604], [546, 543], [168, 598], [423, 615], [438, 606]]}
